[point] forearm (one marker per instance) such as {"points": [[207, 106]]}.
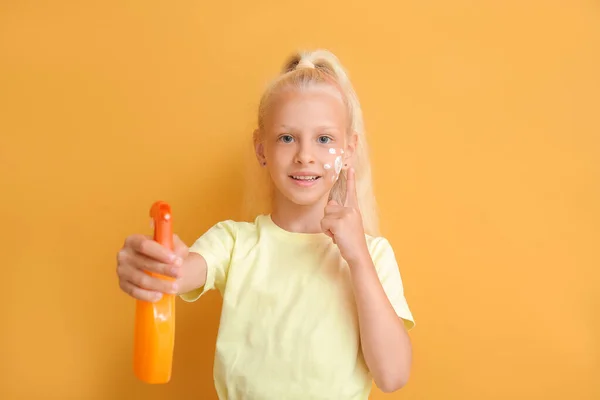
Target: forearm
{"points": [[385, 343]]}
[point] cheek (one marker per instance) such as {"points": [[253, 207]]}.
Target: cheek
{"points": [[277, 153]]}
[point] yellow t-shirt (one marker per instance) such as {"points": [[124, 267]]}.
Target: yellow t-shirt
{"points": [[289, 327]]}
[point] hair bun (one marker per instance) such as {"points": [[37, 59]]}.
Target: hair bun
{"points": [[304, 63]]}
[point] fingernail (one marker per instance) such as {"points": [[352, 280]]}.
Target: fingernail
{"points": [[178, 261], [174, 288], [175, 271], [157, 296]]}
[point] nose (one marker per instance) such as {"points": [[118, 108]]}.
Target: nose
{"points": [[304, 154]]}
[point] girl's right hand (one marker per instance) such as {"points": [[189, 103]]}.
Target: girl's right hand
{"points": [[140, 254]]}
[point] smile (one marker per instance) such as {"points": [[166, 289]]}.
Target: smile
{"points": [[305, 180]]}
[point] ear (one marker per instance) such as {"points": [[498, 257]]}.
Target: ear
{"points": [[259, 148], [350, 151]]}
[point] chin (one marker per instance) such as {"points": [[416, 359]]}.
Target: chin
{"points": [[305, 200]]}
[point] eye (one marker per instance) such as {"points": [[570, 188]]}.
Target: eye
{"points": [[286, 138], [324, 139]]}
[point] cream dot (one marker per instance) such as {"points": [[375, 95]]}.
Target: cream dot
{"points": [[332, 151], [327, 166]]}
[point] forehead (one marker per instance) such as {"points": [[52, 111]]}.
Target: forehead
{"points": [[306, 109]]}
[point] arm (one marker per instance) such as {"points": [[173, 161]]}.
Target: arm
{"points": [[385, 342], [192, 274], [207, 262]]}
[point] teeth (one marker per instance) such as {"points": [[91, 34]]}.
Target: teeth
{"points": [[305, 178]]}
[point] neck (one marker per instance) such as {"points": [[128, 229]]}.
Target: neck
{"points": [[298, 218]]}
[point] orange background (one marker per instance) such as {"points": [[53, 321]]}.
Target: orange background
{"points": [[484, 128]]}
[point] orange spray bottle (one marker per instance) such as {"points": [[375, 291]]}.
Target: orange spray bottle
{"points": [[154, 333]]}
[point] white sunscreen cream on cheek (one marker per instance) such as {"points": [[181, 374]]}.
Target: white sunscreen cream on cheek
{"points": [[328, 166], [338, 165]]}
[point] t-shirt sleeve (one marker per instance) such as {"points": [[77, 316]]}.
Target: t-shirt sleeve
{"points": [[216, 246], [391, 280]]}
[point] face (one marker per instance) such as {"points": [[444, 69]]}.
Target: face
{"points": [[305, 143]]}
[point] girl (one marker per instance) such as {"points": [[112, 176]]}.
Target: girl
{"points": [[313, 303]]}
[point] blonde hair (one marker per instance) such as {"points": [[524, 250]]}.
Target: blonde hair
{"points": [[302, 70]]}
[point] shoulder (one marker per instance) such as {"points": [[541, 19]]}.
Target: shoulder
{"points": [[236, 228], [382, 253], [389, 275], [224, 236], [378, 245]]}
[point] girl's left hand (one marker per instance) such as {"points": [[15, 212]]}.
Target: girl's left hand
{"points": [[343, 223]]}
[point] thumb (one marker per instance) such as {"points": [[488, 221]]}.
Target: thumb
{"points": [[332, 203], [179, 247]]}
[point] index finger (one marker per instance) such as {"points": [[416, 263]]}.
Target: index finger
{"points": [[150, 248], [351, 196]]}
